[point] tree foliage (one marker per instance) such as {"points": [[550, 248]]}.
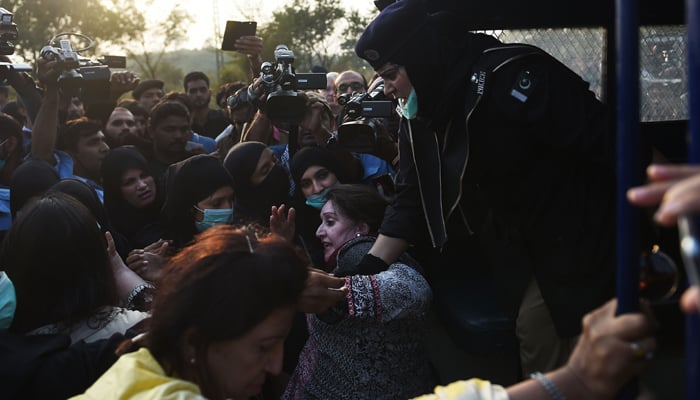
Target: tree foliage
{"points": [[312, 29], [168, 32], [38, 21]]}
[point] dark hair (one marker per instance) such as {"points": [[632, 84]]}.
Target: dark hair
{"points": [[227, 89], [180, 98], [86, 195], [360, 203], [12, 109], [221, 286], [60, 268], [195, 76], [75, 129], [165, 109], [316, 97], [134, 106], [30, 179]]}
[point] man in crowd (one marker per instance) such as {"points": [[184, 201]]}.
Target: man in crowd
{"points": [[148, 93], [120, 126], [205, 120]]}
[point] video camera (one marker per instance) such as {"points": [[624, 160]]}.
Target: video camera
{"points": [[281, 82], [361, 111], [79, 73], [8, 37]]}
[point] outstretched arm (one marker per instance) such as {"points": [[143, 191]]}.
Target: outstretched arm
{"points": [[46, 123], [251, 46], [611, 351]]}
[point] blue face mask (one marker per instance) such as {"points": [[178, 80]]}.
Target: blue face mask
{"points": [[213, 217], [317, 200], [8, 301], [409, 108]]}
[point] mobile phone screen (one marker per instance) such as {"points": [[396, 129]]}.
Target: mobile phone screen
{"points": [[236, 29]]}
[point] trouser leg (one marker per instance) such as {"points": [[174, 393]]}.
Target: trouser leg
{"points": [[541, 349]]}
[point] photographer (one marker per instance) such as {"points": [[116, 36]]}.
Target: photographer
{"points": [[314, 129], [240, 113], [25, 87], [368, 127]]}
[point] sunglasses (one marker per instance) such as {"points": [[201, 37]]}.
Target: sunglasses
{"points": [[356, 86]]}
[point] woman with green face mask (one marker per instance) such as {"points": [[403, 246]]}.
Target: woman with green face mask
{"points": [[315, 171], [199, 196]]}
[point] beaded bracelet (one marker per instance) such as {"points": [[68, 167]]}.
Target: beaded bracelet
{"points": [[548, 386]]}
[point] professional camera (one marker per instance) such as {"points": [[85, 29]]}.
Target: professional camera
{"points": [[8, 32], [79, 73], [8, 37], [238, 100], [281, 83], [361, 112]]}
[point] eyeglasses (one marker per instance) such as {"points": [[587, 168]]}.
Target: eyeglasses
{"points": [[354, 85]]}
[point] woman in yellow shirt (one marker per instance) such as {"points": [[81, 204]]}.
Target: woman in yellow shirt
{"points": [[223, 309]]}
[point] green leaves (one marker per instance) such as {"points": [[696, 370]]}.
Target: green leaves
{"points": [[104, 21]]}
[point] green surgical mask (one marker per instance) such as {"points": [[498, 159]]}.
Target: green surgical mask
{"points": [[409, 108], [317, 200], [8, 301], [213, 217]]}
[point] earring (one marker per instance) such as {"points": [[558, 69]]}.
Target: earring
{"points": [[358, 234], [193, 360]]}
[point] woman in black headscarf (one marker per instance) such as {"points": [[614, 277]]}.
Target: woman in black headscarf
{"points": [[131, 198], [315, 171], [200, 195], [261, 182]]}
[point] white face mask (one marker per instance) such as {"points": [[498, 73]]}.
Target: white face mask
{"points": [[409, 108]]}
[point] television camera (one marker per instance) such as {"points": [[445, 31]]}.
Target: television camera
{"points": [[361, 113], [280, 83], [8, 37], [77, 72]]}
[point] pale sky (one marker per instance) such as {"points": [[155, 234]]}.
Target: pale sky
{"points": [[201, 32]]}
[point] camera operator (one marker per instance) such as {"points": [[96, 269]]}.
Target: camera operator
{"points": [[240, 112], [83, 145], [314, 129], [354, 130], [25, 87]]}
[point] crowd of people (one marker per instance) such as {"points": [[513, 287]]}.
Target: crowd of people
{"points": [[156, 246]]}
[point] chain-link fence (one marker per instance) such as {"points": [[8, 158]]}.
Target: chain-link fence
{"points": [[663, 65]]}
